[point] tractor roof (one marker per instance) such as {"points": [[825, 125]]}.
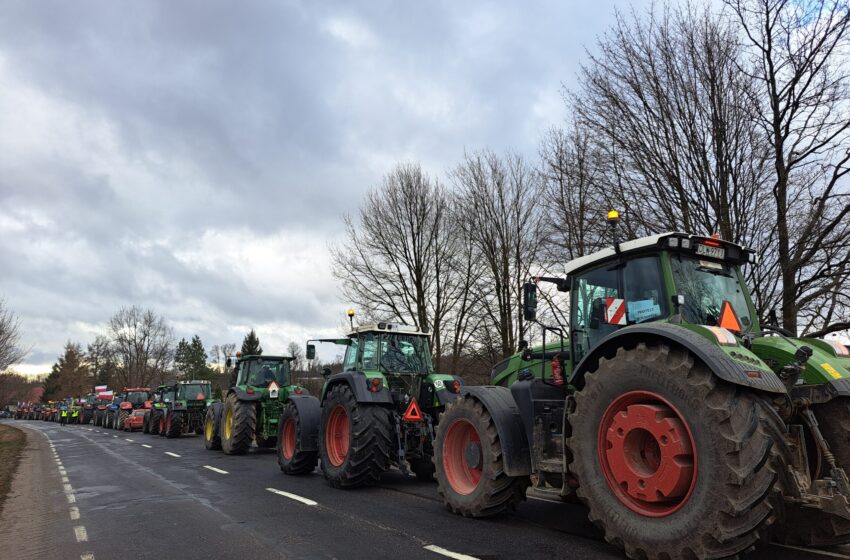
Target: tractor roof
{"points": [[675, 241], [264, 357], [195, 382], [388, 328]]}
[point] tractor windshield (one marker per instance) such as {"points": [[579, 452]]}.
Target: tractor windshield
{"points": [[400, 353], [137, 397], [194, 390], [706, 285], [263, 372]]}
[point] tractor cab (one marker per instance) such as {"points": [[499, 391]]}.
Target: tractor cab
{"points": [[194, 392], [260, 371]]}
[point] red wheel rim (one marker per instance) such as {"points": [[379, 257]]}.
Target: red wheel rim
{"points": [[288, 445], [647, 453], [462, 457], [337, 434], [161, 424]]}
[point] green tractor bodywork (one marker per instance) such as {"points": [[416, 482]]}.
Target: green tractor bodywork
{"points": [[665, 406], [379, 411], [252, 406], [184, 408], [154, 422]]}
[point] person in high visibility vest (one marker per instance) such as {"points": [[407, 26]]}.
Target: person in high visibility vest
{"points": [[63, 416], [75, 416]]}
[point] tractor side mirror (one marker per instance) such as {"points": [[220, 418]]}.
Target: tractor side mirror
{"points": [[529, 301], [311, 351], [326, 372]]}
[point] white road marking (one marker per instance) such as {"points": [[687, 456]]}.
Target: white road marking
{"points": [[87, 556], [114, 436], [98, 431], [75, 513], [812, 550], [65, 479], [62, 471], [68, 488], [146, 445], [81, 534], [172, 454], [295, 497], [215, 469], [128, 439], [71, 498], [449, 553]]}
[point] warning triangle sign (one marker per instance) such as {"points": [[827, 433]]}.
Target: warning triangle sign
{"points": [[728, 318], [273, 386], [413, 413]]}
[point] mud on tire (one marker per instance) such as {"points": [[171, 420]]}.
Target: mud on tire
{"points": [[290, 457], [238, 422], [356, 450], [470, 490], [731, 502], [212, 426]]}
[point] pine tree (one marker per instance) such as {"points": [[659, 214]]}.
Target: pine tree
{"points": [[181, 358], [251, 345], [190, 359], [69, 376]]}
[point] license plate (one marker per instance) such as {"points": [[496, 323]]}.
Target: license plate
{"points": [[709, 251]]}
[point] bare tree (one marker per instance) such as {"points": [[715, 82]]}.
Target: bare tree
{"points": [[144, 345], [102, 364], [799, 58], [11, 351], [499, 213], [395, 261], [299, 364]]}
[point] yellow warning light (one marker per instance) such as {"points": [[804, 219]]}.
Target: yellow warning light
{"points": [[350, 313], [613, 216]]}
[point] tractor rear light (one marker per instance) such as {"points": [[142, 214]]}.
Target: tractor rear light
{"points": [[753, 374], [723, 336], [557, 371], [298, 391], [250, 390], [840, 349], [455, 386], [686, 243], [673, 242], [375, 384]]}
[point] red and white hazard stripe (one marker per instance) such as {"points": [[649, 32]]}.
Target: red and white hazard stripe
{"points": [[615, 311]]}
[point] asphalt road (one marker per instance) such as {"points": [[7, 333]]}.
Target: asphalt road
{"points": [[84, 493]]}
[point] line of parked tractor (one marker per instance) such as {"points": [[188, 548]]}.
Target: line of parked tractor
{"points": [[689, 428]]}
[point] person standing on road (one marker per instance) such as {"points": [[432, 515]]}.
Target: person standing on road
{"points": [[63, 416]]}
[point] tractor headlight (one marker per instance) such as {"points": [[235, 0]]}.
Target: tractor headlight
{"points": [[724, 336]]}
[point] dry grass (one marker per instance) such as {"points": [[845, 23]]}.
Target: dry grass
{"points": [[12, 441]]}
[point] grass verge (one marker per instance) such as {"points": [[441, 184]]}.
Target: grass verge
{"points": [[12, 441]]}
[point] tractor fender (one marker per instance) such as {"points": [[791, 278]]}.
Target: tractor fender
{"points": [[310, 415], [498, 401], [716, 359], [243, 396], [357, 381]]}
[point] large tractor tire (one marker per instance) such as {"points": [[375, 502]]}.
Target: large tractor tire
{"points": [[146, 425], [356, 439], [812, 527], [153, 423], [212, 426], [237, 425], [471, 478], [672, 462], [173, 424], [291, 458], [119, 425]]}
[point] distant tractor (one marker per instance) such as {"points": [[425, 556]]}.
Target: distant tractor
{"points": [[689, 429], [185, 412], [380, 411], [89, 407], [133, 399], [160, 398], [252, 406]]}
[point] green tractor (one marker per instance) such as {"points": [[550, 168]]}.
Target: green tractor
{"points": [[688, 428], [185, 411], [253, 405], [160, 398], [380, 411]]}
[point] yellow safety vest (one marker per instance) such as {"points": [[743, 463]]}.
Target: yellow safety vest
{"points": [[64, 413]]}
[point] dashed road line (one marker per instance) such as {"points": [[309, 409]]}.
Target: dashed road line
{"points": [[71, 498], [81, 534], [172, 454], [87, 556], [68, 488], [812, 551], [114, 436], [219, 471], [295, 497], [146, 445], [449, 553], [128, 439], [65, 479], [74, 511]]}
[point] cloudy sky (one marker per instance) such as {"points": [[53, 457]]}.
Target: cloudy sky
{"points": [[195, 158]]}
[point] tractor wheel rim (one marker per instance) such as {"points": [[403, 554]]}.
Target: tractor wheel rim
{"points": [[228, 423], [161, 424], [337, 435], [647, 453], [461, 443], [208, 429], [287, 447]]}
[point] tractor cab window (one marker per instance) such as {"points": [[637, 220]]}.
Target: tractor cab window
{"points": [[590, 294], [194, 390], [350, 362], [643, 290], [137, 397], [706, 285], [370, 352], [261, 373], [405, 353]]}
